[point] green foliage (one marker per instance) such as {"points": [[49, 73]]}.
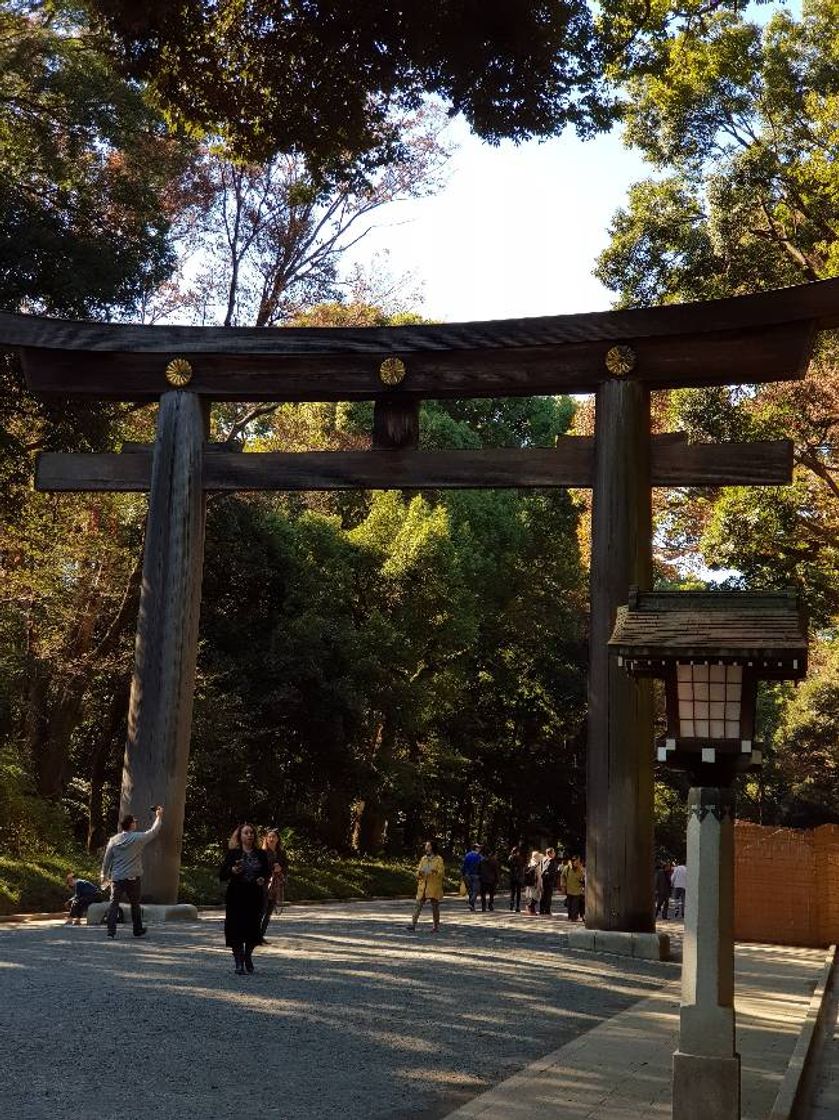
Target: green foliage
{"points": [[807, 741], [84, 165], [325, 80]]}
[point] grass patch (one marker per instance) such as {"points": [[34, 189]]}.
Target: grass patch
{"points": [[37, 884]]}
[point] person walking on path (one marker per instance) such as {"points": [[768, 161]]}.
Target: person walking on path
{"points": [[533, 882], [246, 871], [84, 892], [470, 870], [663, 875], [122, 865], [489, 873], [575, 889], [679, 883], [275, 887], [430, 875], [550, 868], [517, 863]]}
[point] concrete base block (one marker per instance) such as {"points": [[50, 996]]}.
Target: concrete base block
{"points": [[647, 946], [581, 939], [706, 1088], [651, 946], [153, 913]]}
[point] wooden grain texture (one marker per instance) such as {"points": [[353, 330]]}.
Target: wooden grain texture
{"points": [[817, 303], [768, 353], [619, 788], [160, 709], [396, 422], [570, 463]]}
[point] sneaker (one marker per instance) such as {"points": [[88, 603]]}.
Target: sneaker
{"points": [[69, 922], [140, 932], [239, 970], [413, 929], [112, 934], [248, 965]]}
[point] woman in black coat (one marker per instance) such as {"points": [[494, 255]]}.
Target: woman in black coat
{"points": [[245, 870]]}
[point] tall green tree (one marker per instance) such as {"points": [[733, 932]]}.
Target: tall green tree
{"points": [[741, 124]]}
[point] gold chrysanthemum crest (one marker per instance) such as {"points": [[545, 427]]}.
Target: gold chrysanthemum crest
{"points": [[620, 360], [392, 371], [178, 372]]}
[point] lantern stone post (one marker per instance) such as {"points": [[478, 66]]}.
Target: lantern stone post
{"points": [[710, 649], [706, 1067]]}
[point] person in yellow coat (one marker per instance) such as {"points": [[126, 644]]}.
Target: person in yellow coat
{"points": [[430, 874]]}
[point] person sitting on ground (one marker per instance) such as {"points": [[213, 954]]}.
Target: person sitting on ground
{"points": [[84, 892], [489, 873]]}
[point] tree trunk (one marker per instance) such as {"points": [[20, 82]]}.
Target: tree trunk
{"points": [[103, 751]]}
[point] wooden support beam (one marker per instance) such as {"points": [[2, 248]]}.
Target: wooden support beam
{"points": [[674, 463], [160, 708], [619, 783], [395, 422]]}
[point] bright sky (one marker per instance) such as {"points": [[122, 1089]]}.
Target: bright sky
{"points": [[516, 231]]}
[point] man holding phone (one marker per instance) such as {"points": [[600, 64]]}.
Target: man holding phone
{"points": [[123, 866]]}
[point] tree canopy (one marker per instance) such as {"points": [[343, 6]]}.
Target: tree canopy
{"points": [[741, 125], [323, 79]]}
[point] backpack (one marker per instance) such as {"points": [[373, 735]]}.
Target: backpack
{"points": [[530, 877]]}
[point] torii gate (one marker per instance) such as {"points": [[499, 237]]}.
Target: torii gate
{"points": [[620, 356]]}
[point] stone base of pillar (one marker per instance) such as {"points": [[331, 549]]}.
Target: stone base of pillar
{"points": [[646, 946], [153, 914], [705, 1088]]}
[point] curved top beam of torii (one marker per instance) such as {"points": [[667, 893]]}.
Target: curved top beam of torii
{"points": [[763, 337]]}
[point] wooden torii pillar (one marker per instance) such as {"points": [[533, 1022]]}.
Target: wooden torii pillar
{"points": [[621, 356]]}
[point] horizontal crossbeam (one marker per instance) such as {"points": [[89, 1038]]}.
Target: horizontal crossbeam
{"points": [[747, 355], [674, 463]]}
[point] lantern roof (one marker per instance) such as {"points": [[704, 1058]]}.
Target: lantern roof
{"points": [[765, 629]]}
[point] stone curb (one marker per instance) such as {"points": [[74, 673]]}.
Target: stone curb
{"points": [[793, 1089], [55, 915]]}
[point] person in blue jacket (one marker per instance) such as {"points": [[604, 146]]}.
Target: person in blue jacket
{"points": [[470, 869], [84, 892]]}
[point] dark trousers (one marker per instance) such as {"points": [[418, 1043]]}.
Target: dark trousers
{"points": [[515, 896], [487, 890], [131, 889], [662, 905], [473, 886], [78, 906], [576, 907], [547, 898]]}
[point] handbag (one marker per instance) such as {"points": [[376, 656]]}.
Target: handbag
{"points": [[462, 889]]}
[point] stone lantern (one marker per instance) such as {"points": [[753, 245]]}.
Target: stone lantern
{"points": [[710, 649]]}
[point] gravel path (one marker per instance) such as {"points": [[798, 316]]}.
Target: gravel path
{"points": [[348, 1015]]}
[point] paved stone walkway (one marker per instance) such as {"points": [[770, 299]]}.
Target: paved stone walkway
{"points": [[620, 1070], [348, 1015], [351, 1016], [824, 1100]]}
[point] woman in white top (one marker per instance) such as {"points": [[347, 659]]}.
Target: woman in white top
{"points": [[533, 882]]}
